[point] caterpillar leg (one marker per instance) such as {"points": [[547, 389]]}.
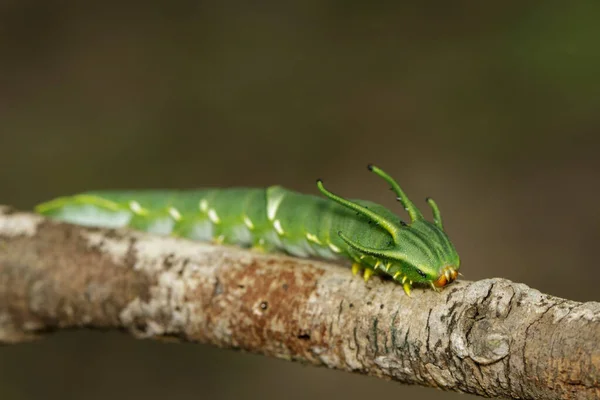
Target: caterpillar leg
{"points": [[370, 271], [406, 283], [219, 239], [366, 271], [407, 288]]}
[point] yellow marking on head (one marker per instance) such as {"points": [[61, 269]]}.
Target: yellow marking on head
{"points": [[248, 222], [175, 214], [367, 274], [313, 238], [278, 227], [334, 248], [203, 205], [212, 215]]}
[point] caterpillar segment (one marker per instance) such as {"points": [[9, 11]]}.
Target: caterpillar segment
{"points": [[331, 227]]}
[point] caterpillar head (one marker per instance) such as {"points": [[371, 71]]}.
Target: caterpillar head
{"points": [[420, 252], [423, 253]]}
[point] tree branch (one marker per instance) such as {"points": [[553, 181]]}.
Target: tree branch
{"points": [[493, 337]]}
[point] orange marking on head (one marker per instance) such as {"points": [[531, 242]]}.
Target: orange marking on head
{"points": [[447, 276], [441, 282]]}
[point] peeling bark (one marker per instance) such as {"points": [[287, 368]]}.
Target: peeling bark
{"points": [[492, 337]]}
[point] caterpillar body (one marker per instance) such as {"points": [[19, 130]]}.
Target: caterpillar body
{"points": [[277, 219]]}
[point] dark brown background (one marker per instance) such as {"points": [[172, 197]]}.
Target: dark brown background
{"points": [[490, 109]]}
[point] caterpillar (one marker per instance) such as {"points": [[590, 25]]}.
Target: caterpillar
{"points": [[276, 219]]}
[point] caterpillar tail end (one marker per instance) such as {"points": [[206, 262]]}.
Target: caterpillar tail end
{"points": [[86, 209], [48, 207]]}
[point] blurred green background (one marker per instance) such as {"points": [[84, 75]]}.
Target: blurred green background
{"points": [[492, 109]]}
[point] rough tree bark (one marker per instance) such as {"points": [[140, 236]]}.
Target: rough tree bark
{"points": [[493, 337]]}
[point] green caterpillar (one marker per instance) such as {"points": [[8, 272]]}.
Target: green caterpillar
{"points": [[272, 219]]}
